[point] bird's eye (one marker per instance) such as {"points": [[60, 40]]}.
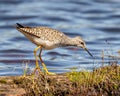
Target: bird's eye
{"points": [[82, 43]]}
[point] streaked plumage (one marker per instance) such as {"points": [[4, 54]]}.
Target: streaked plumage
{"points": [[49, 38]]}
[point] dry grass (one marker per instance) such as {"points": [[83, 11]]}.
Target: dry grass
{"points": [[104, 81], [57, 85]]}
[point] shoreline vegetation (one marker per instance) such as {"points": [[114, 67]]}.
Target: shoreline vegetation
{"points": [[104, 81]]}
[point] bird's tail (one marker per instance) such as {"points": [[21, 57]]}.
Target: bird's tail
{"points": [[19, 25]]}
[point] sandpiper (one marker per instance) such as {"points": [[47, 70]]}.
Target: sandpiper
{"points": [[48, 38]]}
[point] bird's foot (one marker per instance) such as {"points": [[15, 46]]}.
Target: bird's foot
{"points": [[49, 73], [46, 70], [37, 70]]}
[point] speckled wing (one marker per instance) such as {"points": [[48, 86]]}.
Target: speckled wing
{"points": [[43, 34]]}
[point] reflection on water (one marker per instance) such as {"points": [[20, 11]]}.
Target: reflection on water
{"points": [[97, 21]]}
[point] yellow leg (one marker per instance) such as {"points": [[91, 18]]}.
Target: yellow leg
{"points": [[46, 70], [43, 64], [36, 60]]}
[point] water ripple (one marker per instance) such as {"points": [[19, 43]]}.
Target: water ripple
{"points": [[97, 21]]}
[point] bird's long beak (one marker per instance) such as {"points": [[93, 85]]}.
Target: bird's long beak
{"points": [[88, 52]]}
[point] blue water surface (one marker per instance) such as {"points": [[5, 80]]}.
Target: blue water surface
{"points": [[97, 21]]}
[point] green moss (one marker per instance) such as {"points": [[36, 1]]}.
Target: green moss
{"points": [[98, 75], [104, 79], [3, 81]]}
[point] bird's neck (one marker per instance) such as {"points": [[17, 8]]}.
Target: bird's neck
{"points": [[70, 42]]}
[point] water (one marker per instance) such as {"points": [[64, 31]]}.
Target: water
{"points": [[97, 21]]}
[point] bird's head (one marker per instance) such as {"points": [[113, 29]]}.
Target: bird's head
{"points": [[81, 44]]}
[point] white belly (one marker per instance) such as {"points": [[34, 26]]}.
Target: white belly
{"points": [[45, 44]]}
